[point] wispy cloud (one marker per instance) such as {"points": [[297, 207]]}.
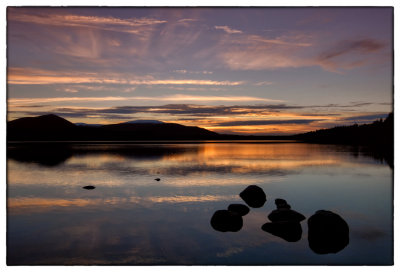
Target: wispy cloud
{"points": [[266, 122], [357, 52], [369, 117], [131, 25], [17, 76], [348, 46], [228, 30], [176, 97], [294, 50], [183, 71]]}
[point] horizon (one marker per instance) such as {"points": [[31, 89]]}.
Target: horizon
{"points": [[249, 71]]}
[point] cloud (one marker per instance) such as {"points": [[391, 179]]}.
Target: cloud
{"points": [[356, 52], [131, 25], [371, 117], [191, 110], [228, 30], [294, 50], [264, 83], [266, 122], [176, 97], [19, 75], [254, 52], [348, 46], [183, 71], [69, 90]]}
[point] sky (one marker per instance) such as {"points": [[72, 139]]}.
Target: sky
{"points": [[259, 71]]}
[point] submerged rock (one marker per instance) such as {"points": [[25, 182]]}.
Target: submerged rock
{"points": [[89, 187], [254, 196], [327, 232], [224, 220], [240, 209], [289, 231]]}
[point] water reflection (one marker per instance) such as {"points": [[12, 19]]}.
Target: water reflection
{"points": [[131, 218]]}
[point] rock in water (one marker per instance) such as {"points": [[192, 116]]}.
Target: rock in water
{"points": [[240, 209], [327, 232], [254, 196], [224, 220], [286, 215], [289, 231], [281, 203], [89, 187]]}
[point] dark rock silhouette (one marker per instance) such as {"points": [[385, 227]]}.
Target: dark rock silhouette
{"points": [[284, 213], [240, 209], [157, 179], [254, 196], [289, 231], [89, 187], [224, 220], [327, 232], [281, 203], [285, 223]]}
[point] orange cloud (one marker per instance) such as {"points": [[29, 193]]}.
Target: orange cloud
{"points": [[131, 25], [18, 75]]}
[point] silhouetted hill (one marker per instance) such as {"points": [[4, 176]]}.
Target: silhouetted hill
{"points": [[49, 121], [378, 133], [54, 128], [375, 140], [40, 128]]}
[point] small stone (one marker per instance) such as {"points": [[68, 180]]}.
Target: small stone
{"points": [[224, 220], [254, 196], [89, 187], [281, 204]]}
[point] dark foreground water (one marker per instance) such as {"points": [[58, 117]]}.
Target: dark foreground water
{"points": [[131, 218]]}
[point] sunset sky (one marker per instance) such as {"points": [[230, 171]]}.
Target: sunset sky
{"points": [[261, 71]]}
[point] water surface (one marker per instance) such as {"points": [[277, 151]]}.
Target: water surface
{"points": [[131, 218]]}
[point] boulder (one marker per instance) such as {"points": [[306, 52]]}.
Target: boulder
{"points": [[289, 231], [285, 215], [254, 196], [240, 209], [327, 232], [224, 220], [89, 187]]}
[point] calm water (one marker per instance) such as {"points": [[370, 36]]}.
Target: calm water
{"points": [[130, 218]]}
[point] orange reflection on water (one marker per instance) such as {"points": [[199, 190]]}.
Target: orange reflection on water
{"points": [[28, 204], [246, 158]]}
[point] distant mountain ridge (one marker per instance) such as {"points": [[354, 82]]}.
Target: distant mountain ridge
{"points": [[54, 128]]}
